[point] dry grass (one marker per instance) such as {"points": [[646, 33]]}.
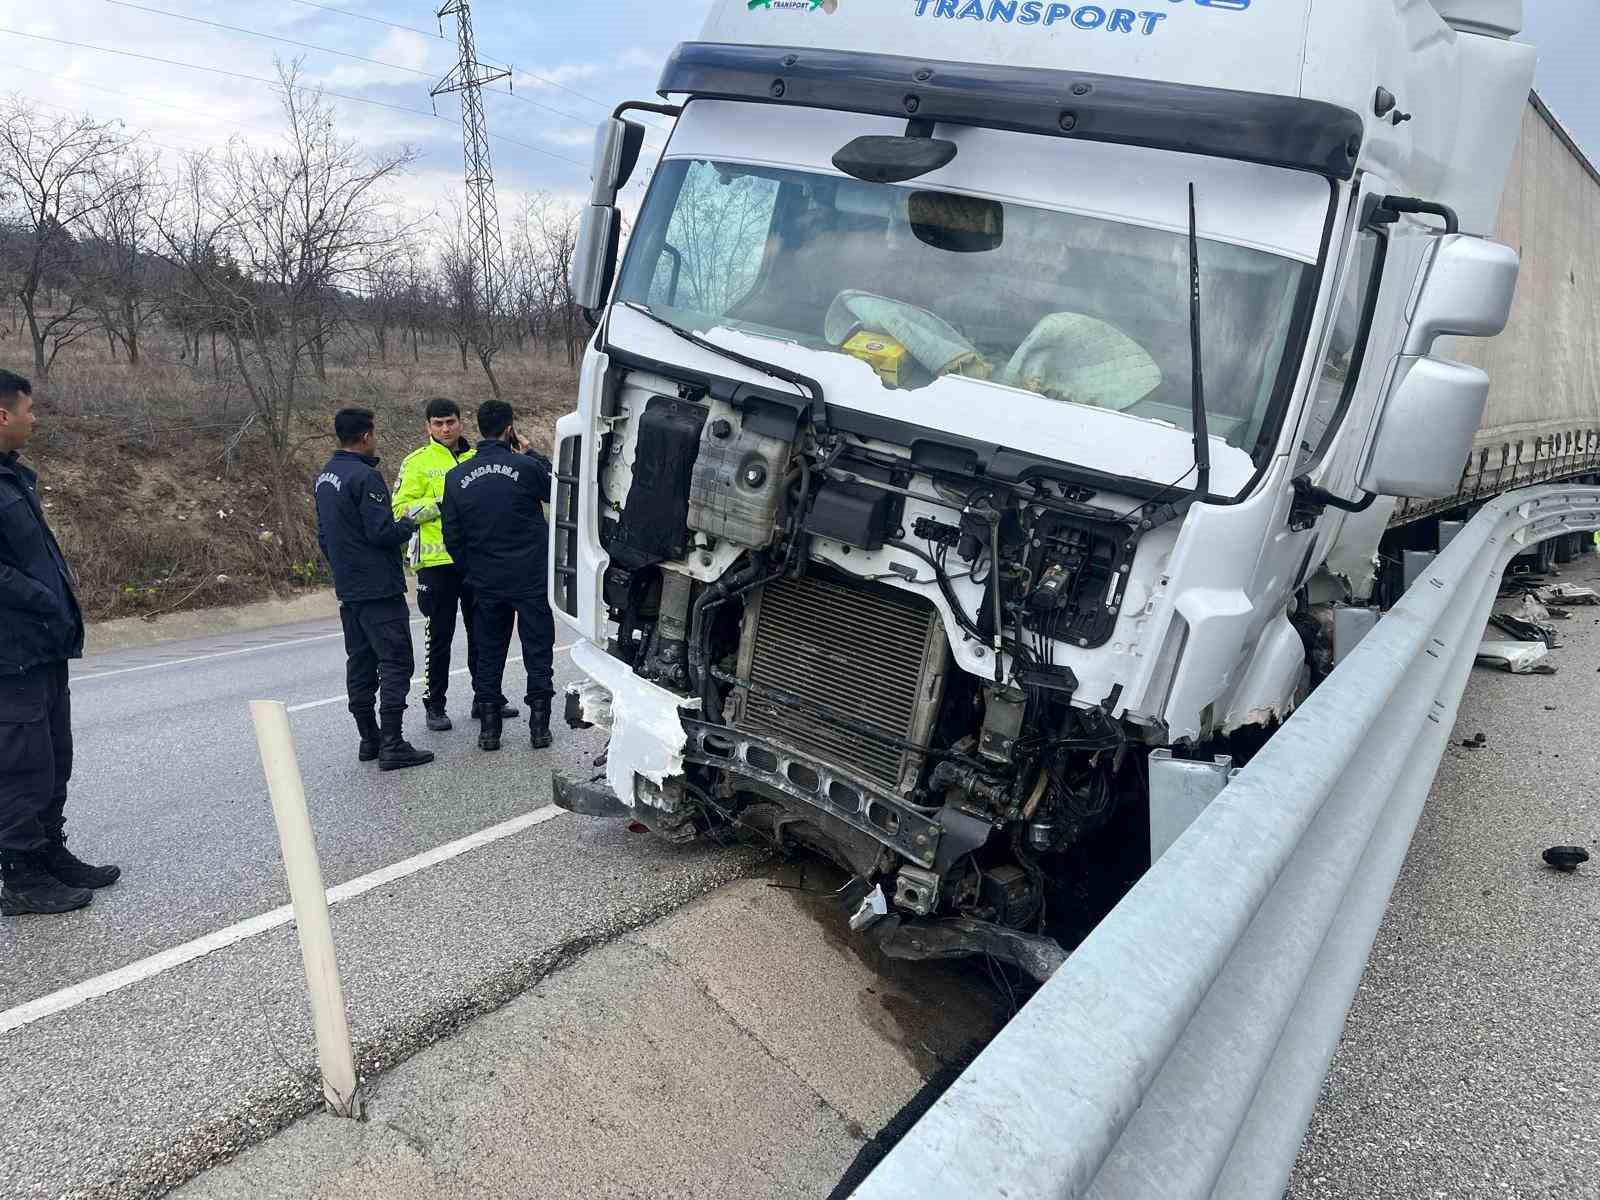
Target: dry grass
{"points": [[158, 483]]}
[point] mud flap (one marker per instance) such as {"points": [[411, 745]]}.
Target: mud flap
{"points": [[587, 799]]}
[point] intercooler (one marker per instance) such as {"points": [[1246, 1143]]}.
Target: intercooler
{"points": [[830, 665]]}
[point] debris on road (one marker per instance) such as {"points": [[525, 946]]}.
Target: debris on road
{"points": [[1520, 658], [1568, 594], [1566, 858], [1523, 631]]}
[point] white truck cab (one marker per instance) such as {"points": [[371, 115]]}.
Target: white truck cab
{"points": [[994, 402]]}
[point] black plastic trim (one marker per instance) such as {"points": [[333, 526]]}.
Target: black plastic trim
{"points": [[1358, 359], [1280, 131]]}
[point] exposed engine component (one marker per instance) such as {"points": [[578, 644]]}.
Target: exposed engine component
{"points": [[655, 518], [823, 709], [916, 890], [1003, 712], [856, 514], [737, 482], [668, 658], [1078, 570]]}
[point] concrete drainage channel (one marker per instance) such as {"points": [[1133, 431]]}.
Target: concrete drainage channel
{"points": [[380, 1046], [738, 1044]]}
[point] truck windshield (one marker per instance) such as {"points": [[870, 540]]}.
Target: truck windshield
{"points": [[922, 284]]}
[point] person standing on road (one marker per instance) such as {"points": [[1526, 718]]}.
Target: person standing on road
{"points": [[43, 628], [365, 546], [441, 587], [494, 528]]}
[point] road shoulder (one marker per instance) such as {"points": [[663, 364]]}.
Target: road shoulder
{"points": [[740, 1046]]}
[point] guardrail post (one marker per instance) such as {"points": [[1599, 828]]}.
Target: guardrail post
{"points": [[340, 1087]]}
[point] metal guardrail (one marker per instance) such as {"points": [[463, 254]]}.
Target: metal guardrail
{"points": [[1181, 1049]]}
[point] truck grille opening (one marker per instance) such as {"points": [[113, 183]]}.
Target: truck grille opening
{"points": [[849, 659], [565, 519]]}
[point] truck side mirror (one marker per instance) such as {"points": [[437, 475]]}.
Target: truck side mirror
{"points": [[1466, 290], [1425, 430], [594, 256], [617, 144]]}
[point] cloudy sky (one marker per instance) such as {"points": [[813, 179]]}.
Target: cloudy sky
{"points": [[572, 63]]}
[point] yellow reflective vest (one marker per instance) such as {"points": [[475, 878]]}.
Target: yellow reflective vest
{"points": [[422, 482]]}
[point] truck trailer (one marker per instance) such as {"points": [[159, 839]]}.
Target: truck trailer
{"points": [[997, 404]]}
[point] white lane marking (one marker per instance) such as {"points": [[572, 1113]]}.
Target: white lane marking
{"points": [[294, 708], [166, 960], [179, 662]]}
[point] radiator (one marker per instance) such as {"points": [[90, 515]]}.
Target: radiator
{"points": [[851, 656]]}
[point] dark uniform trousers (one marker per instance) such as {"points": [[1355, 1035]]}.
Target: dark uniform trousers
{"points": [[441, 591], [377, 647], [537, 629], [35, 755]]}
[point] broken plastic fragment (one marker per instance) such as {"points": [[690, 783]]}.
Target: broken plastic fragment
{"points": [[873, 908]]}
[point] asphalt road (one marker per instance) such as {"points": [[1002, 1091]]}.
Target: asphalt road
{"points": [[1465, 1069], [132, 1087], [137, 1089], [1467, 1066]]}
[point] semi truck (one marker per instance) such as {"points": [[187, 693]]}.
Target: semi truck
{"points": [[995, 405]]}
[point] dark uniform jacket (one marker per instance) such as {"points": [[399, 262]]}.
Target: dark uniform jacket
{"points": [[40, 621], [494, 527], [360, 538]]}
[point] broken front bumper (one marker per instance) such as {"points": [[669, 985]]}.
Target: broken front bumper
{"points": [[647, 736]]}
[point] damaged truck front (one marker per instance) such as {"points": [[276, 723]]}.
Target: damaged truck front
{"points": [[965, 439]]}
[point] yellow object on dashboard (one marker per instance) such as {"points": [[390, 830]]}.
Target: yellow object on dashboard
{"points": [[880, 352]]}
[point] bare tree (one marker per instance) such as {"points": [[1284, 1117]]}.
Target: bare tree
{"points": [[55, 175], [272, 241], [543, 241], [458, 288], [476, 306], [120, 247]]}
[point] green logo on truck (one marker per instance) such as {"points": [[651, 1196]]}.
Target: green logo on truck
{"points": [[826, 6]]}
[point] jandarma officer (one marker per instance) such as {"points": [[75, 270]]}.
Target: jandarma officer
{"points": [[43, 629], [494, 527], [365, 546], [442, 589]]}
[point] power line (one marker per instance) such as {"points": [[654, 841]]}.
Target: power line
{"points": [[271, 37], [169, 62], [345, 12], [99, 87], [544, 79], [140, 136], [375, 62]]}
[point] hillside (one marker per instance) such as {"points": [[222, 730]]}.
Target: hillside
{"points": [[157, 477]]}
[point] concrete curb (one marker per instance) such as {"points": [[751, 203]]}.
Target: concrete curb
{"points": [[128, 632]]}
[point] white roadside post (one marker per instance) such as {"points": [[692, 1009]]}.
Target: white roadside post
{"points": [[310, 901]]}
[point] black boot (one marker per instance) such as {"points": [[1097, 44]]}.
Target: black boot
{"points": [[489, 732], [539, 722], [438, 719], [29, 888], [507, 711], [367, 723], [394, 752], [72, 870]]}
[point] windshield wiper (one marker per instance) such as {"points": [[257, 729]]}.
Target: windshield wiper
{"points": [[793, 378], [1202, 439]]}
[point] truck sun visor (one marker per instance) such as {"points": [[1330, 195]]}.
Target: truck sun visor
{"points": [[1282, 131]]}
